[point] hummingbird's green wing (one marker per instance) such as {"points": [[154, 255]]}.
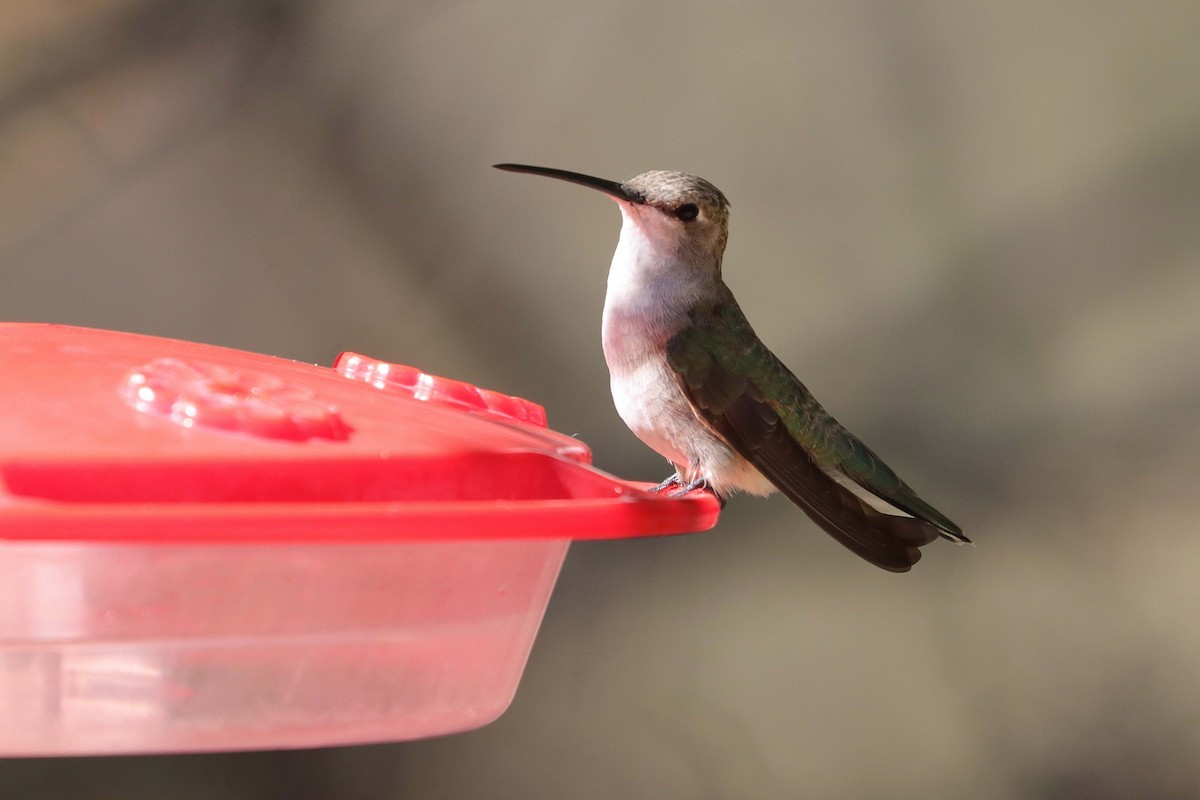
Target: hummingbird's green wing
{"points": [[749, 398]]}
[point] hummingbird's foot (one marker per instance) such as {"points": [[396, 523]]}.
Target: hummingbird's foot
{"points": [[674, 480], [699, 483]]}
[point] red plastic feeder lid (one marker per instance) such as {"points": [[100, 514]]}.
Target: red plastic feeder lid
{"points": [[120, 437]]}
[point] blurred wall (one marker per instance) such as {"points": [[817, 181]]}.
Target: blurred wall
{"points": [[971, 228]]}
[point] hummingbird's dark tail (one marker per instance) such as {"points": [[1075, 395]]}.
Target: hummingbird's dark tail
{"points": [[886, 540]]}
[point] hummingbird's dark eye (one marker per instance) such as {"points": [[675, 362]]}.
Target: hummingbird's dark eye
{"points": [[687, 212]]}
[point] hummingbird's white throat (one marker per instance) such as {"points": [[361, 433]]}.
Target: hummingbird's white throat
{"points": [[651, 269]]}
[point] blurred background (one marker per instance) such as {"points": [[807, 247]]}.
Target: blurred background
{"points": [[972, 229]]}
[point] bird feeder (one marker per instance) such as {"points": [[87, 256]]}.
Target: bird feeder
{"points": [[209, 549]]}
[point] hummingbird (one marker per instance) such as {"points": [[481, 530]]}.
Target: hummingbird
{"points": [[692, 380]]}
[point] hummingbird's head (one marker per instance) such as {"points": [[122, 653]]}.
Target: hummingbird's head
{"points": [[680, 210], [673, 211]]}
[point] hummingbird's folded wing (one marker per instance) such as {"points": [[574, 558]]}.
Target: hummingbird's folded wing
{"points": [[761, 418]]}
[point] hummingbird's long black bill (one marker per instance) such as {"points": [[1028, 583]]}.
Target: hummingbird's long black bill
{"points": [[610, 188]]}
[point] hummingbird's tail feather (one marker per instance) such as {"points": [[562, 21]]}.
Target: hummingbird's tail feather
{"points": [[864, 474], [912, 508], [886, 540]]}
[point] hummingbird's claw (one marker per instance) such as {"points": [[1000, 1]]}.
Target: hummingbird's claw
{"points": [[699, 483], [674, 480]]}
